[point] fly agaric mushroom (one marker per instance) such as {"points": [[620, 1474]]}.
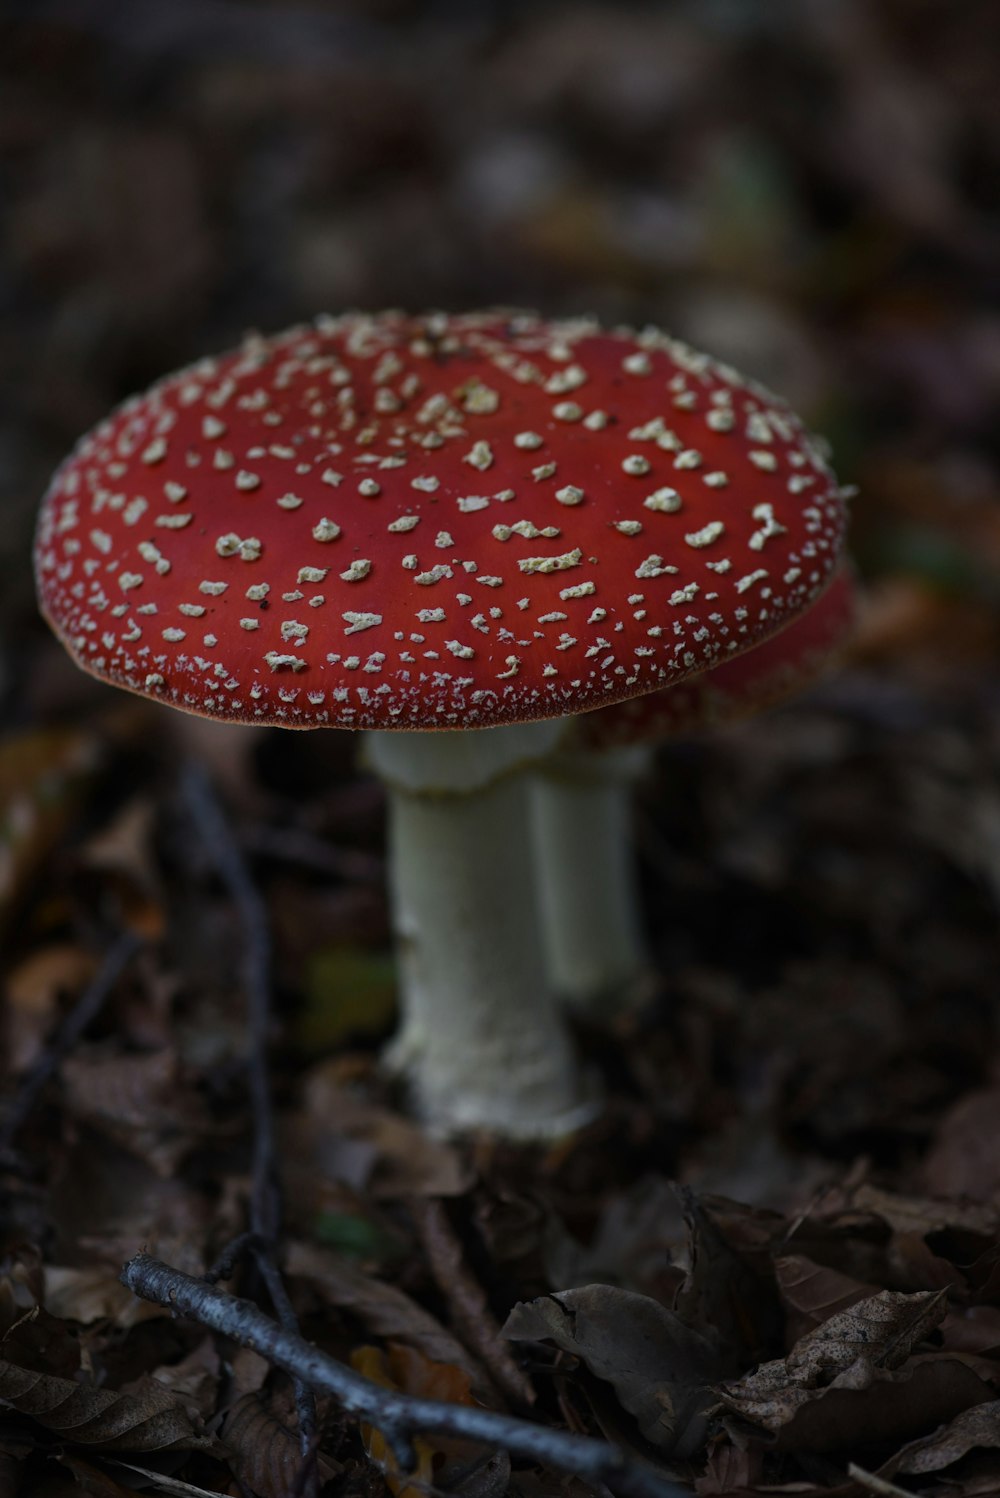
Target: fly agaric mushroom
{"points": [[475, 522], [595, 949]]}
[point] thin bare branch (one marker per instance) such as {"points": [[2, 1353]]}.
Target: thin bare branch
{"points": [[265, 1203], [398, 1416], [77, 1021]]}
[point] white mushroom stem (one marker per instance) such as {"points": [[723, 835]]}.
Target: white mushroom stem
{"points": [[482, 1041], [595, 949]]}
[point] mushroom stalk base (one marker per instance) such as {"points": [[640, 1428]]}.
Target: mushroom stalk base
{"points": [[595, 950], [482, 1041]]}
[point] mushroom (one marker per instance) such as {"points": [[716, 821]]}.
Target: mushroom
{"points": [[475, 524], [596, 951]]}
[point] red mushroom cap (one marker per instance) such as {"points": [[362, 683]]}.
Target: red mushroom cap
{"points": [[434, 522], [758, 679]]}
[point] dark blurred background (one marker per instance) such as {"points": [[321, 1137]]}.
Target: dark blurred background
{"points": [[805, 187]]}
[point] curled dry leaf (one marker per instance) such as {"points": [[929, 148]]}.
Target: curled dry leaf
{"points": [[856, 1377], [660, 1368], [973, 1429]]}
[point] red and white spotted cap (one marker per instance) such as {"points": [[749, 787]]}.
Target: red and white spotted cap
{"points": [[780, 667], [434, 522]]}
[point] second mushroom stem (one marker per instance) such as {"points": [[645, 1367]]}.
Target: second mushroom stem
{"points": [[595, 948]]}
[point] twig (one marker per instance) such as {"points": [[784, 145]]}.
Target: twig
{"points": [[83, 1013], [265, 1200], [256, 974], [397, 1416], [470, 1311], [874, 1483], [224, 1267]]}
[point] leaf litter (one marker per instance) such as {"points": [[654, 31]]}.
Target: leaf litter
{"points": [[773, 1265]]}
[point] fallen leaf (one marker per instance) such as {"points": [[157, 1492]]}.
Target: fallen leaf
{"points": [[815, 1291], [660, 1368], [31, 998], [388, 1154], [972, 1429], [121, 856], [382, 1308], [722, 1296], [42, 777], [266, 1455], [890, 1407], [22, 1281], [855, 1378], [405, 1369], [194, 1380], [146, 1419], [964, 1160], [142, 1101], [93, 1294]]}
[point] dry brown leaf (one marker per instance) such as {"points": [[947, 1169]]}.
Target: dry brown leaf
{"points": [[891, 1407], [972, 1329], [265, 1452], [965, 1157], [22, 1280], [383, 1309], [972, 1429], [855, 1378], [194, 1380], [660, 1369], [142, 1101], [146, 1419], [879, 1332], [722, 1295], [31, 998], [121, 857], [400, 1158], [42, 776], [926, 1214], [407, 1370], [93, 1294], [730, 1469], [815, 1291]]}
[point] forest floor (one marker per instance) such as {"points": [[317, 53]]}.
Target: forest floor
{"points": [[770, 1266]]}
